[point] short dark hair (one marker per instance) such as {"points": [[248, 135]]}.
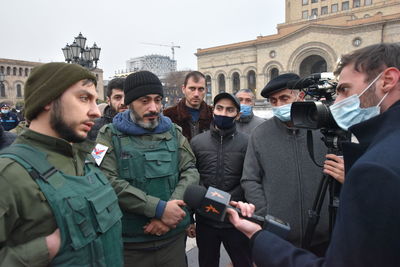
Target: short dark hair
{"points": [[116, 83], [248, 91], [196, 75], [372, 59]]}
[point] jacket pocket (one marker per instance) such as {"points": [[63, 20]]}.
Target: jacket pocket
{"points": [[157, 164], [105, 207], [79, 223]]}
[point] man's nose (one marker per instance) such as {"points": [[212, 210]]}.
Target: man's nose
{"points": [[94, 111], [152, 106]]}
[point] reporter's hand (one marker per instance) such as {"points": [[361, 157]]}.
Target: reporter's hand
{"points": [[156, 227], [246, 227], [173, 213], [191, 230], [334, 166], [53, 242]]}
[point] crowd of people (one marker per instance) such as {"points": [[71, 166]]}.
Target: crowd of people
{"points": [[81, 187]]}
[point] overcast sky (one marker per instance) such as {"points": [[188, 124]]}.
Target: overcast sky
{"points": [[36, 30]]}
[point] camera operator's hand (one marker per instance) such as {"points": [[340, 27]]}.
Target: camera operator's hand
{"points": [[334, 166], [246, 227]]}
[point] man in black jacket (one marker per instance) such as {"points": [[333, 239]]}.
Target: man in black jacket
{"points": [[220, 154], [115, 101]]}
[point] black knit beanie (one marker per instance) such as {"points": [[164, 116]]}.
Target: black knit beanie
{"points": [[141, 83], [48, 81]]}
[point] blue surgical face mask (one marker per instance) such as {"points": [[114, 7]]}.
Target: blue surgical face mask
{"points": [[282, 112], [246, 110], [224, 122], [348, 111], [5, 111]]}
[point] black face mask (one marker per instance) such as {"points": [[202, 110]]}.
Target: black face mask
{"points": [[224, 122]]}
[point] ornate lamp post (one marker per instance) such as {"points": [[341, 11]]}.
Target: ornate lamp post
{"points": [[78, 54]]}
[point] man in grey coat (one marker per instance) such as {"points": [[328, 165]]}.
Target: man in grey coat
{"points": [[247, 121], [279, 177]]}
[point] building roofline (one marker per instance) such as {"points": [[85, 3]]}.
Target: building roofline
{"points": [[349, 24]]}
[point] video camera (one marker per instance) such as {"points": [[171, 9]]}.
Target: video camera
{"points": [[314, 114]]}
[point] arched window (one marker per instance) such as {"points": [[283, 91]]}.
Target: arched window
{"points": [[209, 89], [208, 83], [235, 82], [8, 70], [2, 69], [273, 73], [26, 72], [2, 90], [251, 80], [15, 71], [221, 83], [21, 70], [19, 90]]}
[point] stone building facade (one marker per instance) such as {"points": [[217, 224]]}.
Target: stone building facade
{"points": [[16, 73], [314, 35]]}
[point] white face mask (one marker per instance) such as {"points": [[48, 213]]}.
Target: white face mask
{"points": [[348, 111]]}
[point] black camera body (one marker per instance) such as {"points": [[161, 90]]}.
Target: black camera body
{"points": [[313, 114]]}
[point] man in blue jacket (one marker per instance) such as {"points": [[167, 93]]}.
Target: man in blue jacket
{"points": [[8, 119], [367, 231]]}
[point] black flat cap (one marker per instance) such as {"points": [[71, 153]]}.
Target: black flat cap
{"points": [[279, 83], [228, 96]]}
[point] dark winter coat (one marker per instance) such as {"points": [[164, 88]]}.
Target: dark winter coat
{"points": [[107, 118], [220, 156], [6, 138], [180, 115], [9, 121]]}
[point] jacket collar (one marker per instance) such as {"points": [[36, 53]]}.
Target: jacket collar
{"points": [[183, 112], [222, 132], [383, 123], [369, 132]]}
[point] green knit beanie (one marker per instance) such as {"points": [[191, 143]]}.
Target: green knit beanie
{"points": [[48, 81]]}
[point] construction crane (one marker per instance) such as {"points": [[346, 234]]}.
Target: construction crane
{"points": [[172, 46]]}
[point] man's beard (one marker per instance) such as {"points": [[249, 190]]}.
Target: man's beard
{"points": [[59, 125], [145, 125]]}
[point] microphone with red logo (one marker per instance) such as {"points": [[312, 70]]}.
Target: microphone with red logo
{"points": [[212, 203]]}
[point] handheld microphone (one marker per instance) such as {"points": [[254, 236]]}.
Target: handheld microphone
{"points": [[212, 203]]}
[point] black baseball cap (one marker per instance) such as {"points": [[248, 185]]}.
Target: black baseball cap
{"points": [[228, 96]]}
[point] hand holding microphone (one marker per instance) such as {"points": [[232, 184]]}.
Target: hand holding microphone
{"points": [[214, 204]]}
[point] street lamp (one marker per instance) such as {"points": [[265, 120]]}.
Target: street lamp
{"points": [[79, 54]]}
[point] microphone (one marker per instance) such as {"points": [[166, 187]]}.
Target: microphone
{"points": [[212, 203]]}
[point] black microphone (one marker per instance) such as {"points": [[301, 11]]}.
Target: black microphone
{"points": [[212, 203]]}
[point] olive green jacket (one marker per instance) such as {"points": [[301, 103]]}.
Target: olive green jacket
{"points": [[132, 199], [25, 216]]}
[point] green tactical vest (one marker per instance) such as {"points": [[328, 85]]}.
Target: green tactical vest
{"points": [[151, 166], [85, 208]]}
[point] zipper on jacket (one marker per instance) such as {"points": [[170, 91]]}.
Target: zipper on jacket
{"points": [[296, 149]]}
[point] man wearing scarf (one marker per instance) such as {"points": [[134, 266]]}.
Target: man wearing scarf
{"points": [[150, 159]]}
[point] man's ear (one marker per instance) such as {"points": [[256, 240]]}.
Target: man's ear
{"points": [[108, 100], [301, 95], [238, 116], [48, 106], [390, 78]]}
